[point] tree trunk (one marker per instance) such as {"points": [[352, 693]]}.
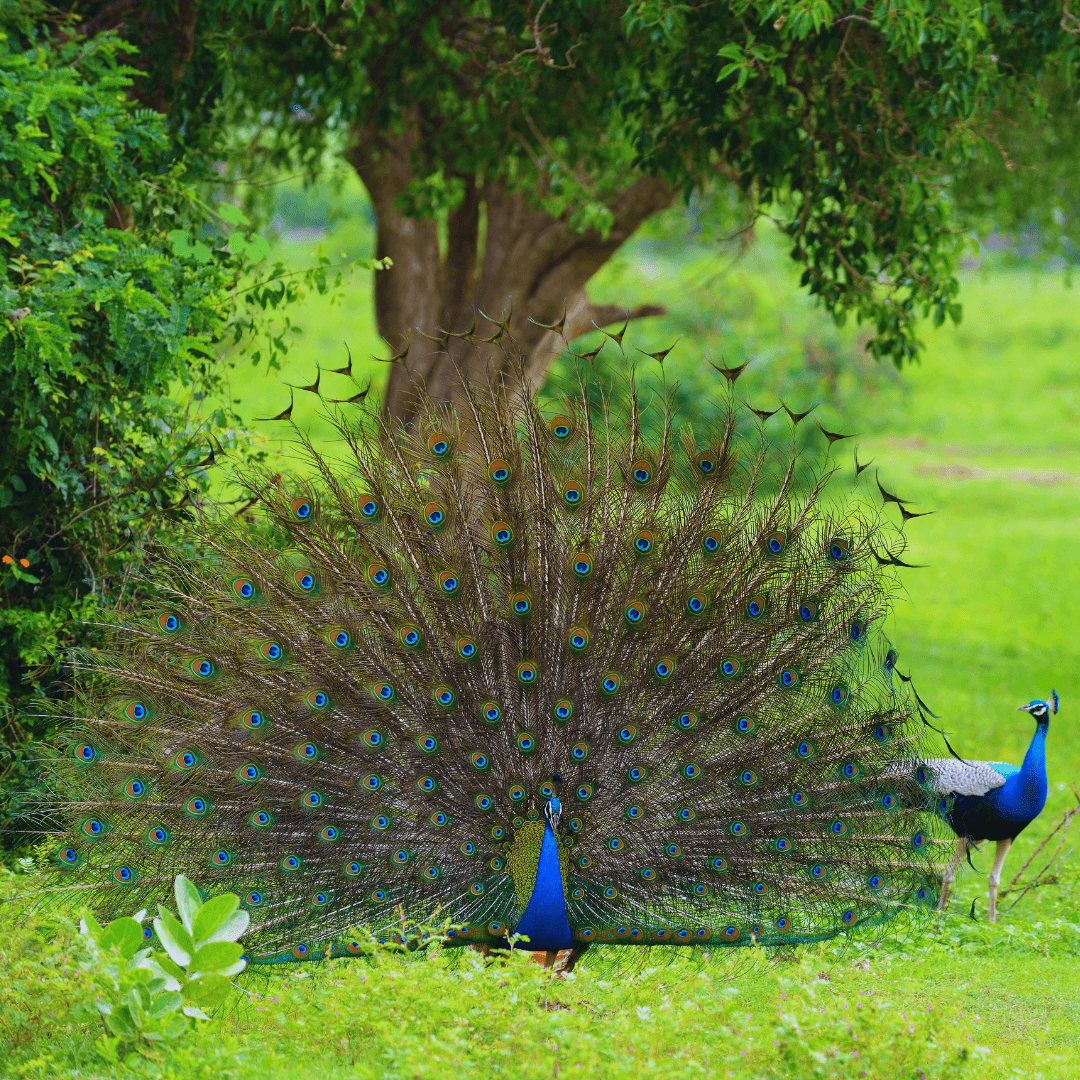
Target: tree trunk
{"points": [[532, 269]]}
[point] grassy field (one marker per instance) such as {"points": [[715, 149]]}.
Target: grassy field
{"points": [[984, 433]]}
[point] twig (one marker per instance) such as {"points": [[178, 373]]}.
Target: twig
{"points": [[1040, 877]]}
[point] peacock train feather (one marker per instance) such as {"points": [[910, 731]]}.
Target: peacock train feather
{"points": [[546, 672]]}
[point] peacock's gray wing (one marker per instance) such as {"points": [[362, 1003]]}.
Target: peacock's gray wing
{"points": [[947, 776]]}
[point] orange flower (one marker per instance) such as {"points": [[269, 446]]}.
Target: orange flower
{"points": [[24, 562], [8, 560]]}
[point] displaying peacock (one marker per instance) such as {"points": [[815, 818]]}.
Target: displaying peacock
{"points": [[554, 674]]}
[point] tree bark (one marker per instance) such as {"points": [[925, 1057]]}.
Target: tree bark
{"points": [[532, 268]]}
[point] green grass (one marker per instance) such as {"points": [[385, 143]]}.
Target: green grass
{"points": [[984, 433]]}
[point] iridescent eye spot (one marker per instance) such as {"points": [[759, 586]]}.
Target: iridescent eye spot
{"points": [[135, 711], [755, 607], [921, 774], [817, 871], [380, 822], [311, 799], [730, 667], [378, 575], [579, 751], [562, 427], [798, 798], [808, 612], [527, 672], [749, 777], [634, 813], [647, 874], [643, 542], [490, 712], [635, 612], [372, 738], [838, 550], [616, 843], [562, 711], [627, 734], [201, 668], [260, 819], [688, 721], [253, 899], [572, 494], [301, 508], [696, 603], [918, 840], [340, 639], [369, 508], [426, 784], [186, 759], [737, 828], [169, 623], [521, 603], [271, 650], [92, 827], [664, 669], [848, 916], [123, 875], [584, 792], [775, 543], [881, 733], [923, 893], [480, 762], [378, 896], [428, 744], [686, 814], [789, 678], [449, 582], [850, 770], [783, 844], [305, 580], [744, 725], [244, 588], [839, 695], [501, 533], [759, 887], [805, 749], [439, 444], [711, 542], [68, 856], [611, 683], [783, 922], [839, 828], [135, 788], [719, 864], [706, 462], [477, 888], [526, 743], [384, 691], [636, 774], [252, 720], [221, 857], [857, 630], [499, 471], [197, 806], [691, 771], [445, 697], [641, 471], [888, 801], [575, 825], [583, 566], [409, 636], [467, 848], [434, 515], [546, 791], [85, 753], [515, 793], [579, 638]]}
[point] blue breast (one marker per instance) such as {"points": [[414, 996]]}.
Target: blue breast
{"points": [[544, 919]]}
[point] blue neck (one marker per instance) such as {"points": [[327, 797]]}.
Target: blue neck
{"points": [[544, 919], [1023, 796]]}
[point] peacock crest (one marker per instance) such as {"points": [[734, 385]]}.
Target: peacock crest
{"points": [[662, 648]]}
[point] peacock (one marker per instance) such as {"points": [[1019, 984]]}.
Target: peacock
{"points": [[992, 800], [548, 673]]}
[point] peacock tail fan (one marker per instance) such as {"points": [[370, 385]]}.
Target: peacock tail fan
{"points": [[360, 713]]}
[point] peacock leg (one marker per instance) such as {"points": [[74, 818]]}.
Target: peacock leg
{"points": [[995, 876], [949, 875], [572, 957]]}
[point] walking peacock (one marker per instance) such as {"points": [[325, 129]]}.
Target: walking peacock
{"points": [[992, 800], [561, 676]]}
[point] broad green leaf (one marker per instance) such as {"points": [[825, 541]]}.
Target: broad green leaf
{"points": [[208, 991], [234, 927], [216, 955], [188, 901], [232, 214], [124, 935], [175, 938], [213, 915]]}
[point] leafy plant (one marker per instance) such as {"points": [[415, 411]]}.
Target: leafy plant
{"points": [[151, 996]]}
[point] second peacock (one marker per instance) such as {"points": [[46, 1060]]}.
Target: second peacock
{"points": [[563, 676]]}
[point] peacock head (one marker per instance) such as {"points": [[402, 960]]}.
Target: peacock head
{"points": [[1040, 709], [552, 812]]}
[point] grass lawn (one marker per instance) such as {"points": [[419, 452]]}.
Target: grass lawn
{"points": [[984, 432]]}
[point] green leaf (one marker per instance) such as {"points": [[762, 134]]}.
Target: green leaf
{"points": [[213, 915], [215, 956], [124, 935], [174, 937], [188, 901], [232, 214], [234, 927], [208, 991]]}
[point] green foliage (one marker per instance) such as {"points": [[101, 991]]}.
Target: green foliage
{"points": [[111, 340], [844, 122], [147, 994]]}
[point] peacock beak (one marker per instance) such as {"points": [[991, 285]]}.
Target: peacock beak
{"points": [[1023, 708]]}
